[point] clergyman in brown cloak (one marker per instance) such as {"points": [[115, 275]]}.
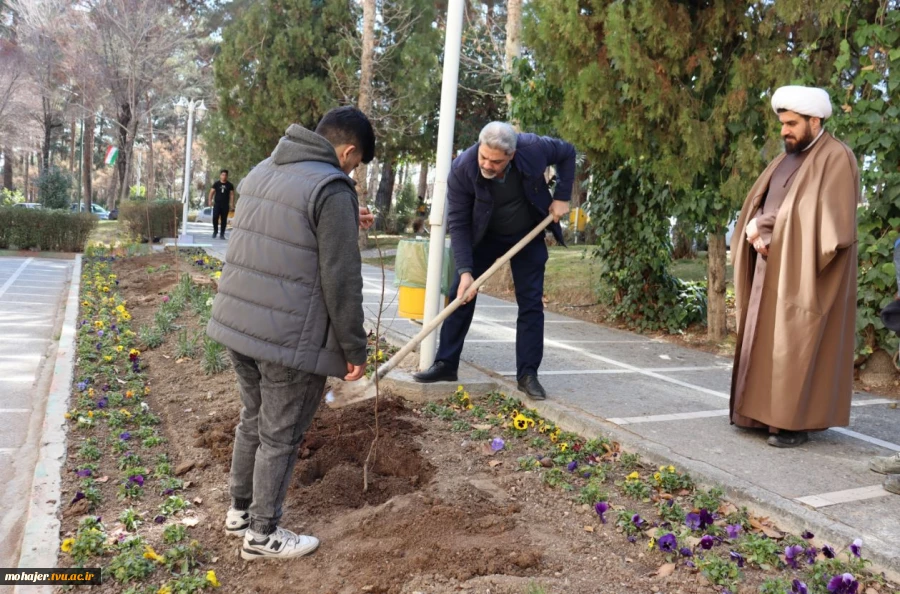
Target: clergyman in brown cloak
{"points": [[794, 256]]}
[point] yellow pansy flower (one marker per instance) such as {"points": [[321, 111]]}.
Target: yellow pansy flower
{"points": [[149, 553], [634, 476], [212, 579], [120, 348], [66, 545]]}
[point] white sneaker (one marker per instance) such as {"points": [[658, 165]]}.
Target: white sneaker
{"points": [[237, 522], [281, 544]]}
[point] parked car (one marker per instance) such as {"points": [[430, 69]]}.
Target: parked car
{"points": [[205, 215], [97, 210], [29, 205]]}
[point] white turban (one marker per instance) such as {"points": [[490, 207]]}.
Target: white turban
{"points": [[808, 101]]}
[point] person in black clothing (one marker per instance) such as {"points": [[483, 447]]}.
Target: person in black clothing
{"points": [[221, 196]]}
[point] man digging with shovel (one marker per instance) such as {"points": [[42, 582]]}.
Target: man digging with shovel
{"points": [[289, 310], [496, 195]]}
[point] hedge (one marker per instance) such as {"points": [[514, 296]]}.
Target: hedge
{"points": [[162, 215], [44, 229]]}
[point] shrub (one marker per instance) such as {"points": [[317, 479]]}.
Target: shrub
{"points": [[161, 215], [50, 230], [54, 186]]}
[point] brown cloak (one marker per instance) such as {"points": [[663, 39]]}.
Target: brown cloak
{"points": [[800, 374]]}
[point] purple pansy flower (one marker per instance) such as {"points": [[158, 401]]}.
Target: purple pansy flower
{"points": [[686, 552], [828, 551], [82, 386], [99, 333], [811, 554], [637, 520], [667, 543], [168, 491], [689, 564], [692, 521], [843, 584], [807, 535], [707, 542], [159, 519], [706, 519], [856, 548], [84, 473], [573, 465], [737, 558], [78, 497], [125, 436], [497, 444], [102, 402], [137, 479], [733, 531], [798, 587], [791, 553], [600, 508]]}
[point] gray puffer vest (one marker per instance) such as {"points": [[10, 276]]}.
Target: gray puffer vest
{"points": [[270, 305]]}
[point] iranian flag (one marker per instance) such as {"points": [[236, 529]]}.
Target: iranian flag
{"points": [[112, 153]]}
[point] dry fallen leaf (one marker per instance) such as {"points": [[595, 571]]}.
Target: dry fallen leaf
{"points": [[482, 427], [588, 528], [190, 521], [495, 463], [772, 533], [666, 570], [726, 509], [198, 500], [102, 479], [652, 532], [487, 450], [166, 357]]}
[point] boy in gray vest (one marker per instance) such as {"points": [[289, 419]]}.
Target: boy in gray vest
{"points": [[289, 310]]}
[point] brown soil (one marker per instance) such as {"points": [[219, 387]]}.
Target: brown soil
{"points": [[440, 514]]}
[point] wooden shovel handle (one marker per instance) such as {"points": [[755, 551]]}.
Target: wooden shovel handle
{"points": [[458, 302]]}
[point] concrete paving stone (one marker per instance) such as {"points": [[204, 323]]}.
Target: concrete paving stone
{"points": [[13, 429], [879, 420], [879, 514], [627, 395], [655, 354], [829, 462], [504, 359], [16, 394]]}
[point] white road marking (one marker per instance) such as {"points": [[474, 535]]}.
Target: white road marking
{"points": [[14, 410], [700, 414], [616, 371], [847, 496], [861, 436], [14, 276]]}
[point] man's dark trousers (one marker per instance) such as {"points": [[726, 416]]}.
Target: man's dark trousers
{"points": [[220, 211], [528, 276]]}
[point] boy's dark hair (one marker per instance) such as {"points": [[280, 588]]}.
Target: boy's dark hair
{"points": [[225, 171], [348, 125]]}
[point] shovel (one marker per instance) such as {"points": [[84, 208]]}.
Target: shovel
{"points": [[348, 393]]}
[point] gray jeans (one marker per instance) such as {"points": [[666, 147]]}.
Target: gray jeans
{"points": [[279, 404]]}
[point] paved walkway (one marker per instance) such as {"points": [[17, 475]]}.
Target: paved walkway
{"points": [[32, 301]]}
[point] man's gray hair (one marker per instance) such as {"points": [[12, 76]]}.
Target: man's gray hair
{"points": [[499, 136]]}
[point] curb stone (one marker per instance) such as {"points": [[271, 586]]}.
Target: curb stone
{"points": [[789, 515], [40, 542]]}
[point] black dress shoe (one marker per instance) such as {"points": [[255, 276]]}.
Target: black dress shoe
{"points": [[439, 372], [532, 387], [788, 439]]}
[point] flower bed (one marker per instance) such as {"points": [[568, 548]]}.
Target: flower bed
{"points": [[469, 495]]}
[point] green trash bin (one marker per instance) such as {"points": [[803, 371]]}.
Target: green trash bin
{"points": [[410, 275]]}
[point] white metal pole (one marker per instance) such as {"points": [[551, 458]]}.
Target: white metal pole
{"points": [[438, 218], [187, 174]]}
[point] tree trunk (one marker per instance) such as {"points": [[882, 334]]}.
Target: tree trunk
{"points": [[48, 130], [717, 321], [423, 180], [513, 36], [72, 148], [87, 163], [385, 192], [125, 188], [367, 72], [124, 118], [151, 165], [7, 169], [28, 176]]}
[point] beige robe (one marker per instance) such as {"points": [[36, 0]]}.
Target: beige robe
{"points": [[798, 375]]}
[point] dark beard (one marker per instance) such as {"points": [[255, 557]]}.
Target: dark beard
{"points": [[800, 145]]}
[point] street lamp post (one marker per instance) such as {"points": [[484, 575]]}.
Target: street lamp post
{"points": [[180, 108]]}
